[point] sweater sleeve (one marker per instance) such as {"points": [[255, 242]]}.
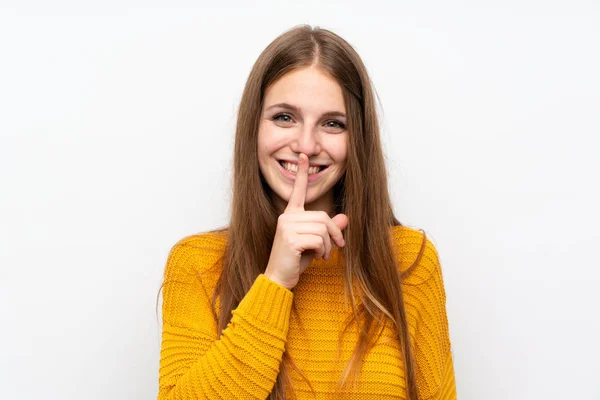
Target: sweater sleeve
{"points": [[433, 353], [244, 361]]}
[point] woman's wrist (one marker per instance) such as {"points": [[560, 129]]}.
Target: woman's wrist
{"points": [[274, 278]]}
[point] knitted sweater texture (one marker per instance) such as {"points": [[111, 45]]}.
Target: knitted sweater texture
{"points": [[195, 363]]}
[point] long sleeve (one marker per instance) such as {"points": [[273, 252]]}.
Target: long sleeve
{"points": [[433, 353], [194, 362]]}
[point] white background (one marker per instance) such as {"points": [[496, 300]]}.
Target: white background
{"points": [[116, 132]]}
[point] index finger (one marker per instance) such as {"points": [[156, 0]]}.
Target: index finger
{"points": [[300, 185]]}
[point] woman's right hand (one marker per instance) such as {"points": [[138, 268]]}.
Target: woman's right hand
{"points": [[302, 235]]}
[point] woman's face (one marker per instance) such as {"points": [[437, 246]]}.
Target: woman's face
{"points": [[303, 112]]}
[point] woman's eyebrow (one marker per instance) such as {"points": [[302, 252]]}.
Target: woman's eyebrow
{"points": [[297, 109]]}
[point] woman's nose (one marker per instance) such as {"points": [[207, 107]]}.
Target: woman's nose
{"points": [[306, 141]]}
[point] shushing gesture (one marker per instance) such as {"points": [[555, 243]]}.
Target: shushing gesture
{"points": [[302, 235]]}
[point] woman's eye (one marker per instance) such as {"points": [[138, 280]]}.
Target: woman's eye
{"points": [[338, 124], [279, 116]]}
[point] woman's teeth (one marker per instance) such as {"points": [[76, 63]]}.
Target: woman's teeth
{"points": [[294, 168]]}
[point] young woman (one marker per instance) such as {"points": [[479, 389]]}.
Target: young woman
{"points": [[314, 290]]}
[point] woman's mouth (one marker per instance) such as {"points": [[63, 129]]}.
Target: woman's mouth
{"points": [[293, 168], [289, 170]]}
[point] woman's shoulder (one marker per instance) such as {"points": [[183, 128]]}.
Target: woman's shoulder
{"points": [[416, 255], [198, 254], [213, 241]]}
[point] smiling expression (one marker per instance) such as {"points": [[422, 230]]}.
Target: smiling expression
{"points": [[303, 112]]}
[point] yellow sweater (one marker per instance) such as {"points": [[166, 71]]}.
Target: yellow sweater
{"points": [[244, 362]]}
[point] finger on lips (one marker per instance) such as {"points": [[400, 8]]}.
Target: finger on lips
{"points": [[300, 187], [296, 203]]}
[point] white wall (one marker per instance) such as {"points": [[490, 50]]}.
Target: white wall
{"points": [[116, 132]]}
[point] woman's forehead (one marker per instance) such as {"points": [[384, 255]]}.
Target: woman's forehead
{"points": [[308, 91]]}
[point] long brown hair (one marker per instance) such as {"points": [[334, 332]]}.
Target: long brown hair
{"points": [[372, 277]]}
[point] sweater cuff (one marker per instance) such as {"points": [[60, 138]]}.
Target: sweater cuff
{"points": [[268, 302]]}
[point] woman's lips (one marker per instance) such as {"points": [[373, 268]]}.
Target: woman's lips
{"points": [[292, 176]]}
